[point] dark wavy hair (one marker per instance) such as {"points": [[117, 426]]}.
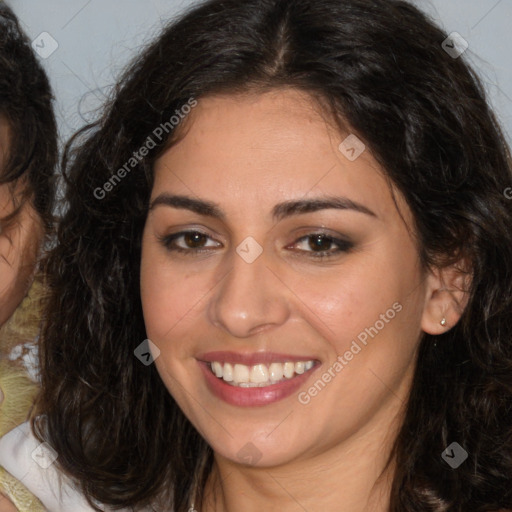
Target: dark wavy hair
{"points": [[26, 104], [376, 66]]}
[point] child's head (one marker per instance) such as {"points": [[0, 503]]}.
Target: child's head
{"points": [[28, 153]]}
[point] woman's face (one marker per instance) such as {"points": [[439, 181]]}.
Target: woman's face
{"points": [[19, 241], [263, 189]]}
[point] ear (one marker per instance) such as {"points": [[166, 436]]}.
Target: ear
{"points": [[447, 295]]}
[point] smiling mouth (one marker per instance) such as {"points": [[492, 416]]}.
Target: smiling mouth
{"points": [[259, 375]]}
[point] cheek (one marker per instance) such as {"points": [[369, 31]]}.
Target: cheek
{"points": [[18, 256], [373, 296], [350, 297], [157, 301], [169, 294]]}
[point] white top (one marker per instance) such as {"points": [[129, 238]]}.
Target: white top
{"points": [[31, 462], [27, 355]]}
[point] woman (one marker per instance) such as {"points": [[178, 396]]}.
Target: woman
{"points": [[283, 281], [28, 153]]}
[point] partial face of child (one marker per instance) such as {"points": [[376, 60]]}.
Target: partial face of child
{"points": [[20, 239]]}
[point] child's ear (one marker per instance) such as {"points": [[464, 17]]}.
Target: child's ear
{"points": [[447, 295]]}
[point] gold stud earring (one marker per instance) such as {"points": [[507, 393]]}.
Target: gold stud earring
{"points": [[443, 322]]}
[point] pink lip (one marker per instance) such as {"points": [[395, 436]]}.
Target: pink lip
{"points": [[251, 359], [253, 397]]}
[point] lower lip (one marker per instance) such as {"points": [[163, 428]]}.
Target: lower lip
{"points": [[252, 397]]}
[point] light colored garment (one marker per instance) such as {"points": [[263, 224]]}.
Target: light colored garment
{"points": [[23, 457], [20, 497], [19, 382], [26, 354]]}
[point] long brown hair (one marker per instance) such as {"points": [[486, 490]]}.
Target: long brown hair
{"points": [[26, 106], [380, 68]]}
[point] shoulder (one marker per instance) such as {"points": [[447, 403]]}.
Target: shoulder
{"points": [[32, 463]]}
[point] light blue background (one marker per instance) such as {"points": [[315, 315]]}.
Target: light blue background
{"points": [[96, 38]]}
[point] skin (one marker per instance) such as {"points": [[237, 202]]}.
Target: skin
{"points": [[19, 241], [19, 248], [6, 505], [247, 153]]}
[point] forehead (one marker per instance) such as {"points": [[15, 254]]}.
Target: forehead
{"points": [[259, 149]]}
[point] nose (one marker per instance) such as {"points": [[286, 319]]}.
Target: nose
{"points": [[250, 299]]}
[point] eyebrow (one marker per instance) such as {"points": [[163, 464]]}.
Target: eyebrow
{"points": [[279, 212]]}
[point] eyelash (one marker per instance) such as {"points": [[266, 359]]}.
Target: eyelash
{"points": [[343, 245]]}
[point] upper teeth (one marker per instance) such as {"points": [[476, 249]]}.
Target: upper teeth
{"points": [[258, 375]]}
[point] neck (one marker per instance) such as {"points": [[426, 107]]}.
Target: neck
{"points": [[352, 477]]}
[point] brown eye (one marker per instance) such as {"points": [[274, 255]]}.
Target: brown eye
{"points": [[320, 242], [322, 245], [194, 239], [188, 242]]}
